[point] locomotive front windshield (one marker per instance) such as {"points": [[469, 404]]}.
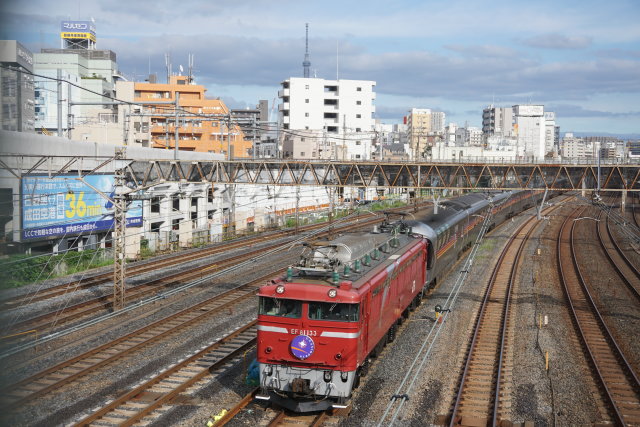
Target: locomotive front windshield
{"points": [[334, 311], [280, 307]]}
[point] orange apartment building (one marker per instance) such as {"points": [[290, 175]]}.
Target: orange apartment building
{"points": [[195, 132]]}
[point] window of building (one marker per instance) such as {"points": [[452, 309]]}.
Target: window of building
{"points": [[302, 154], [306, 86], [306, 114], [358, 102], [302, 139], [358, 142], [359, 89], [176, 204], [358, 129], [357, 156], [358, 116], [155, 205], [306, 101]]}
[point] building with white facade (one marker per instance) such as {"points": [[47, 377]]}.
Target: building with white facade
{"points": [[338, 114], [94, 70], [438, 119], [572, 147], [550, 133], [529, 127]]}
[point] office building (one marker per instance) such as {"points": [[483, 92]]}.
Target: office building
{"points": [[17, 87], [529, 127]]}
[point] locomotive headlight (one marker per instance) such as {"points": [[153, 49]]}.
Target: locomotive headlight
{"points": [[327, 376], [268, 350], [344, 376], [332, 293], [269, 370], [280, 289]]}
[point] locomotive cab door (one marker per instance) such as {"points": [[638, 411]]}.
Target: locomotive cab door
{"points": [[363, 343]]}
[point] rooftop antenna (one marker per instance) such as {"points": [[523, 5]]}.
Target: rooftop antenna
{"points": [[167, 61], [191, 56], [306, 63]]}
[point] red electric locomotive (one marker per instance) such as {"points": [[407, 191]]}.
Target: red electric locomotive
{"points": [[318, 325]]}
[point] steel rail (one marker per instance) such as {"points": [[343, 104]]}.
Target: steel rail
{"points": [[132, 406], [628, 273], [82, 365], [493, 314], [89, 307], [132, 270], [612, 370]]}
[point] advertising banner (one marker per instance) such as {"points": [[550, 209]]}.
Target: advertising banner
{"points": [[78, 27], [64, 205]]}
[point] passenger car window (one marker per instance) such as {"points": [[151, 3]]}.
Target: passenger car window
{"points": [[280, 307], [334, 311]]}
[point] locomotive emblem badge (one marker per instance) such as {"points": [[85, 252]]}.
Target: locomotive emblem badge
{"points": [[302, 347]]}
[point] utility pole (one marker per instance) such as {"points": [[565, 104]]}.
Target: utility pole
{"points": [[175, 153], [229, 136], [119, 227], [344, 135], [297, 206], [59, 74], [68, 110]]}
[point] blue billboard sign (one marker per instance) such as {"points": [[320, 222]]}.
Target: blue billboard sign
{"points": [[64, 205]]}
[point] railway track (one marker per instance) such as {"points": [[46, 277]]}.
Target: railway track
{"points": [[148, 398], [628, 272], [102, 303], [618, 383], [137, 269], [478, 396], [80, 366]]}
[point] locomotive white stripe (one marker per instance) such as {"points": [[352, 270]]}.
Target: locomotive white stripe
{"points": [[340, 334], [273, 329]]}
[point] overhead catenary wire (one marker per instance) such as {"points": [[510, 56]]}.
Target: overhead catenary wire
{"points": [[161, 295]]}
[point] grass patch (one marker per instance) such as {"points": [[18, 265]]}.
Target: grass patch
{"points": [[21, 270]]}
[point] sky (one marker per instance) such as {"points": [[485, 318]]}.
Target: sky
{"points": [[580, 59]]}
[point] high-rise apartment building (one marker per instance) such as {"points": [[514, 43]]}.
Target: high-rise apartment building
{"points": [[497, 120], [17, 106], [338, 115], [438, 119], [203, 124]]}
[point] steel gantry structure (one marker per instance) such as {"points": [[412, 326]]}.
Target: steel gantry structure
{"points": [[413, 175], [133, 176]]}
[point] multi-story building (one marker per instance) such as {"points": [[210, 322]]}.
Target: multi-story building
{"points": [[79, 62], [338, 114], [17, 93], [573, 148], [438, 119], [529, 127], [253, 122], [497, 120], [204, 125], [550, 133], [418, 128]]}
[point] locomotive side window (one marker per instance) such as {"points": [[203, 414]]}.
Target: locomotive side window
{"points": [[334, 311], [280, 307]]}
